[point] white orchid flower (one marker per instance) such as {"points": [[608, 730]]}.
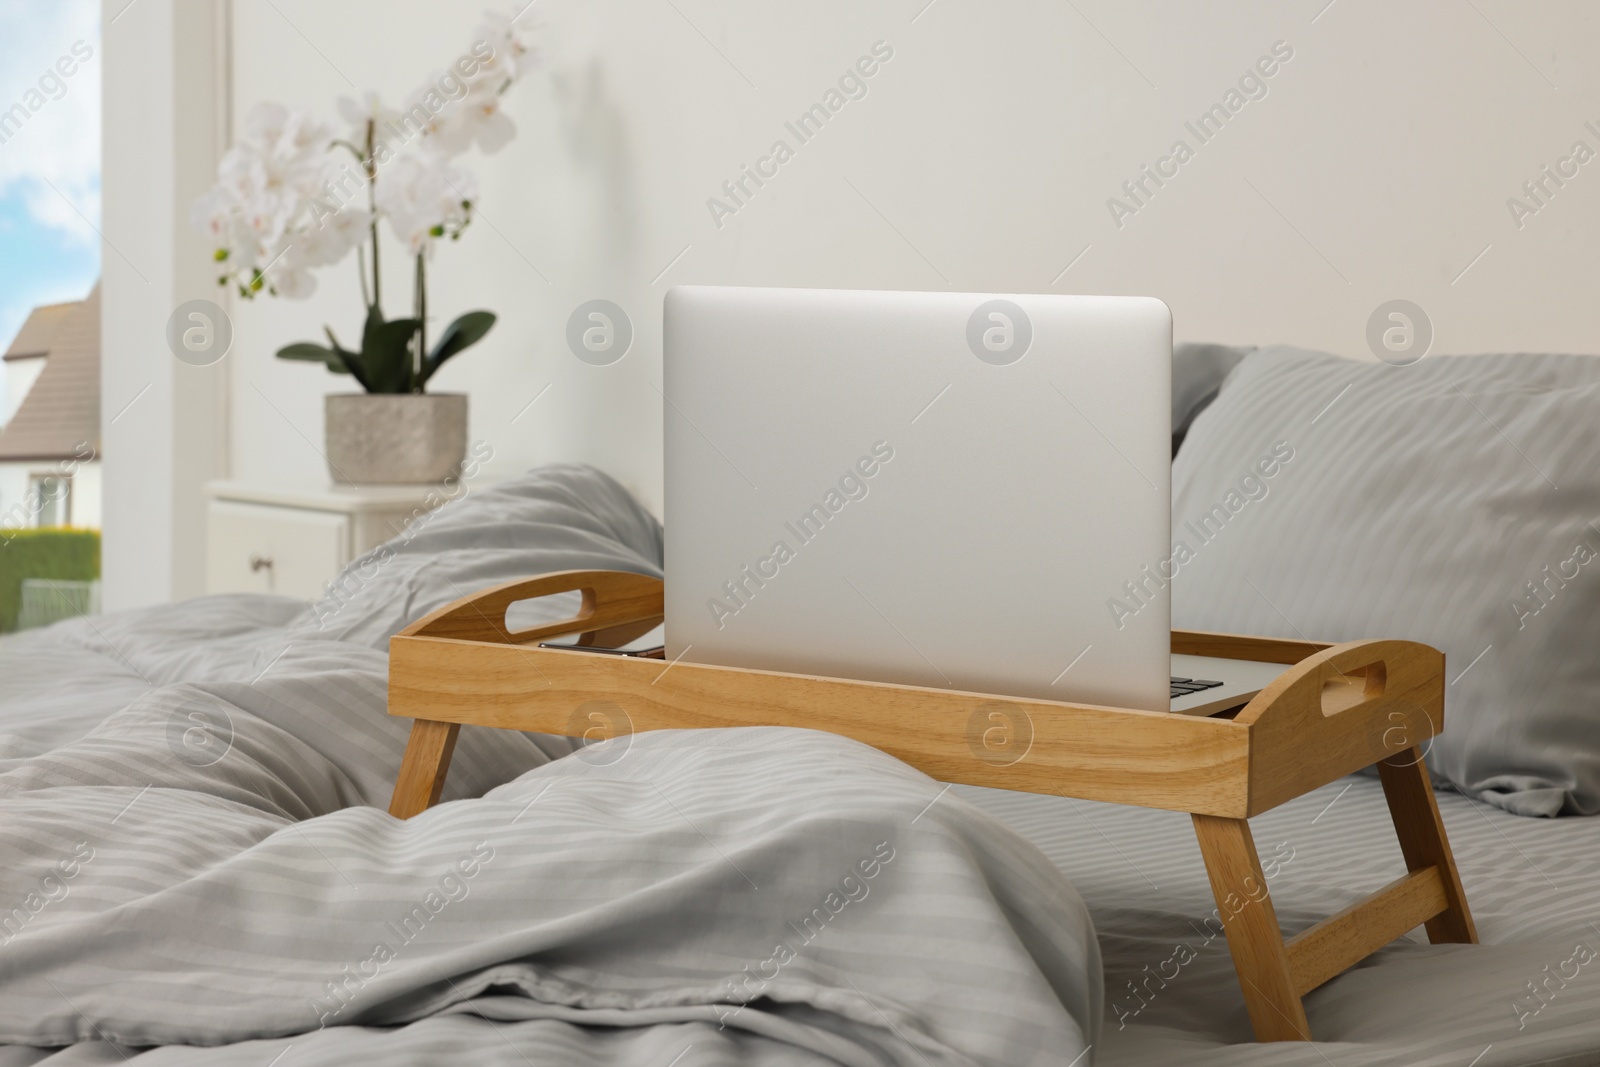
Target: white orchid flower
{"points": [[358, 113], [284, 206], [425, 196], [476, 119]]}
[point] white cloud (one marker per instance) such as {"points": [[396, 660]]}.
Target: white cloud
{"points": [[54, 139]]}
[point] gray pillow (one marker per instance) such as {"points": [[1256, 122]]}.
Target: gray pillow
{"points": [[1198, 372], [1455, 502]]}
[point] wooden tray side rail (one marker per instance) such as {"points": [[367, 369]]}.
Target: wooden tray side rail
{"points": [[1334, 710], [615, 606], [1339, 710]]}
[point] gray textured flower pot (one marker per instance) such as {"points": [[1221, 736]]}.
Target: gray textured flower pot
{"points": [[386, 439]]}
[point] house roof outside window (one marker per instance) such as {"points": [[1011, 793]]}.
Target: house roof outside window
{"points": [[61, 412], [38, 331]]}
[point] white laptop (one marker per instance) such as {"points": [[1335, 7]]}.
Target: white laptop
{"points": [[956, 490]]}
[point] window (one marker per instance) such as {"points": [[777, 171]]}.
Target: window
{"points": [[51, 497]]}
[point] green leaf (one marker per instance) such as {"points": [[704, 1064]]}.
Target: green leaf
{"points": [[386, 352], [310, 353], [336, 359], [349, 360], [461, 334]]}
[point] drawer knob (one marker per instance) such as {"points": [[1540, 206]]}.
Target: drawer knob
{"points": [[258, 562]]}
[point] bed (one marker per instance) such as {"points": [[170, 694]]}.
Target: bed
{"points": [[196, 867]]}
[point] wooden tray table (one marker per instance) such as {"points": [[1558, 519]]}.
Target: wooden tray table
{"points": [[1335, 709]]}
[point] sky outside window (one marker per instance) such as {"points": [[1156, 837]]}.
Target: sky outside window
{"points": [[49, 155]]}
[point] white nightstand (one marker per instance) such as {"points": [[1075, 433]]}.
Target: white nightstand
{"points": [[263, 538]]}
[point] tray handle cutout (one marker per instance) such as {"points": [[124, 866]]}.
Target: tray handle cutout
{"points": [[1340, 710], [616, 607]]}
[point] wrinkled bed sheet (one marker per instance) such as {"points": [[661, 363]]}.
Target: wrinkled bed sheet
{"points": [[196, 867]]}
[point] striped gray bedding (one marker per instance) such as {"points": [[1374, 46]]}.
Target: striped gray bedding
{"points": [[1528, 994], [213, 768], [195, 866]]}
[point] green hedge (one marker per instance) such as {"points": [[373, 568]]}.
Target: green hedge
{"points": [[65, 554]]}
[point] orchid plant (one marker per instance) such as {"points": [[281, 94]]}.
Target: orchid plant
{"points": [[293, 196]]}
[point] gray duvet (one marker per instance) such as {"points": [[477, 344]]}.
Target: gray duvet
{"points": [[194, 853]]}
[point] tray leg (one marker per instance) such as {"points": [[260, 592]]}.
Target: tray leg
{"points": [[1415, 812], [427, 761], [1251, 923]]}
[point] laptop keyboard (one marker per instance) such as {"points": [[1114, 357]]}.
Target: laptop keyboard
{"points": [[1182, 687]]}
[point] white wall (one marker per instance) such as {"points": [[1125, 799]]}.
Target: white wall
{"points": [[161, 420], [18, 506], [1377, 166], [88, 487], [15, 511], [20, 374]]}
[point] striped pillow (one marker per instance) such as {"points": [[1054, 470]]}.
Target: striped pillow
{"points": [[1456, 502]]}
